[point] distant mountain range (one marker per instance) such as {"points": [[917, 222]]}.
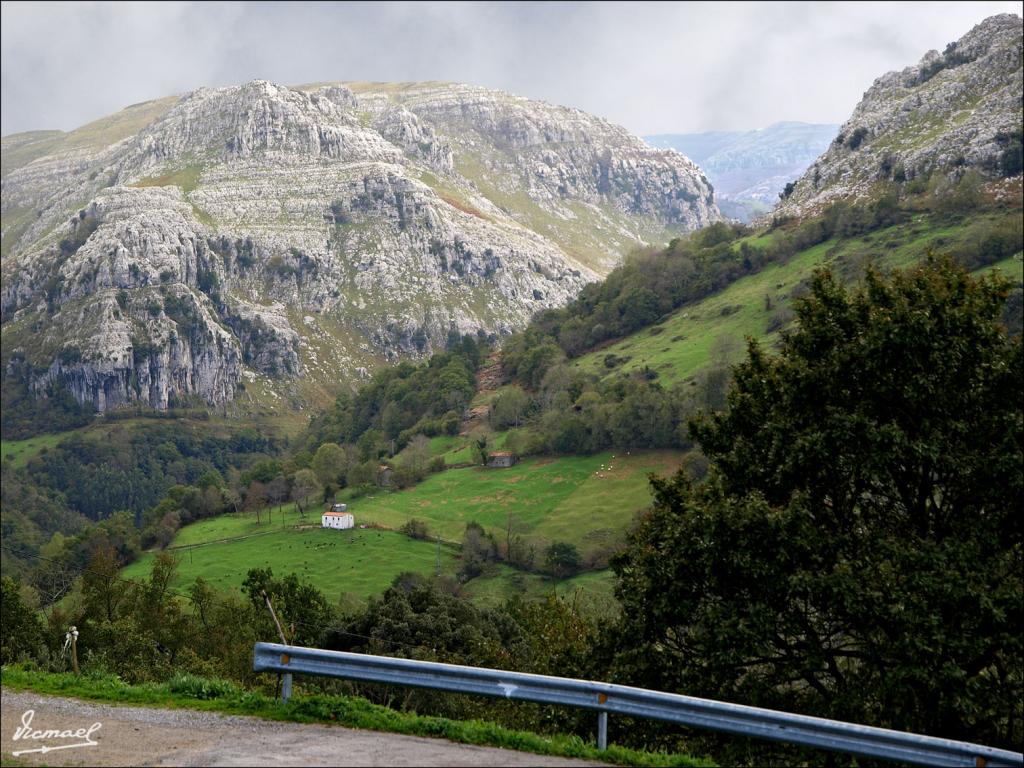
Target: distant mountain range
{"points": [[750, 168]]}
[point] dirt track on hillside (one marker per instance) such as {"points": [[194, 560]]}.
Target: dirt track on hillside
{"points": [[144, 736]]}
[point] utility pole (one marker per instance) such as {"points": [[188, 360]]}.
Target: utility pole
{"points": [[286, 681], [438, 556]]}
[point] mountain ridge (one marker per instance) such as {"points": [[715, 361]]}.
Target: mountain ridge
{"points": [[948, 114], [260, 234]]}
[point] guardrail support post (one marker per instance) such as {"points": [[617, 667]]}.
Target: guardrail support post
{"points": [[286, 687], [602, 730]]}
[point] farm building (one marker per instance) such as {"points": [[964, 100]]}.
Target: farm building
{"points": [[501, 459], [340, 520]]}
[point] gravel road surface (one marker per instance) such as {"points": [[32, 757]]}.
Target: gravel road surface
{"points": [[144, 736]]}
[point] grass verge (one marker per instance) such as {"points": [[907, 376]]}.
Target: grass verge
{"points": [[198, 693]]}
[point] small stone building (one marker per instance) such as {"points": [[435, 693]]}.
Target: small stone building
{"points": [[501, 459], [339, 520]]}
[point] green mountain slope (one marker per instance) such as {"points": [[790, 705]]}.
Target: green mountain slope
{"points": [[712, 330]]}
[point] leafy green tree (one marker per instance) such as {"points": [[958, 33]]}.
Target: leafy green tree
{"points": [[856, 552], [509, 408], [329, 463], [304, 485], [102, 585], [479, 552], [562, 559], [416, 529], [301, 608], [21, 631], [416, 457]]}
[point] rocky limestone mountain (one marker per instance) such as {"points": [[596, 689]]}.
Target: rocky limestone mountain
{"points": [[750, 168], [282, 241], [953, 111]]}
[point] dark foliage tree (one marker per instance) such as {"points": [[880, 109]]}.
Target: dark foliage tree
{"points": [[856, 552], [561, 559], [21, 632], [300, 607]]}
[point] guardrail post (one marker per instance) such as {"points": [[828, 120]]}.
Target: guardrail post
{"points": [[602, 730], [286, 687]]}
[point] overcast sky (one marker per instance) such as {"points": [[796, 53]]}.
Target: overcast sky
{"points": [[655, 68]]}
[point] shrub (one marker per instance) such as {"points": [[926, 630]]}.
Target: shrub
{"points": [[416, 529], [197, 687], [857, 138]]}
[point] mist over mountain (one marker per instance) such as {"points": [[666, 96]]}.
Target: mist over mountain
{"points": [[750, 168]]}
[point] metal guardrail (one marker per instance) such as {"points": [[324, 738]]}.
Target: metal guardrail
{"points": [[634, 702]]}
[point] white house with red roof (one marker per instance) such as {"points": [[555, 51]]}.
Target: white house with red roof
{"points": [[338, 517]]}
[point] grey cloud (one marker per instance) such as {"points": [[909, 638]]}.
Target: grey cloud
{"points": [[654, 67]]}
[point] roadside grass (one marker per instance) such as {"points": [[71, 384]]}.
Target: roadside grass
{"points": [[197, 693]]}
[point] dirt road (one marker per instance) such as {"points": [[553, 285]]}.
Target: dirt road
{"points": [[144, 736]]}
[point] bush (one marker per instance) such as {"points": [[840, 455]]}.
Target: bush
{"points": [[416, 529], [857, 138], [197, 687], [1011, 159]]}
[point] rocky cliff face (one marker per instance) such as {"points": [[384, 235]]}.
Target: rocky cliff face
{"points": [[951, 112], [285, 240]]}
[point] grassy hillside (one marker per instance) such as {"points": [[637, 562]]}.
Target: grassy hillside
{"points": [[588, 501], [18, 452], [20, 149], [358, 562], [577, 499], [712, 330]]}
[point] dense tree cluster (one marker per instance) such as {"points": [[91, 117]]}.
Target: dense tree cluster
{"points": [[401, 402], [25, 414], [132, 469], [857, 550], [158, 474]]}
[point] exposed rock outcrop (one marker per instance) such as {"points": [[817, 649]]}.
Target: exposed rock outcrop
{"points": [[951, 112], [268, 232]]}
